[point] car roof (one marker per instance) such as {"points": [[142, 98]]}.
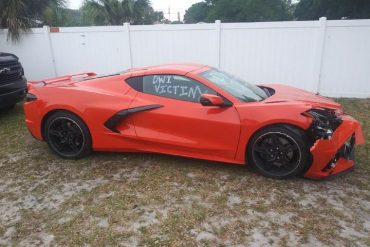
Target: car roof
{"points": [[178, 68]]}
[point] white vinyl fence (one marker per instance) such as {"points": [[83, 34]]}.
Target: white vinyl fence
{"points": [[329, 57]]}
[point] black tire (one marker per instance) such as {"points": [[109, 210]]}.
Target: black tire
{"points": [[67, 135], [279, 152]]}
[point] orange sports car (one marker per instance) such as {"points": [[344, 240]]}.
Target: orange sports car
{"points": [[194, 111]]}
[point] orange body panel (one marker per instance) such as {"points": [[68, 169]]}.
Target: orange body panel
{"points": [[323, 151], [180, 127]]}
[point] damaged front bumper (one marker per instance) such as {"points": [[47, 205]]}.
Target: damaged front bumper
{"points": [[335, 155]]}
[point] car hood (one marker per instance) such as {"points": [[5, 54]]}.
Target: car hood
{"points": [[285, 93]]}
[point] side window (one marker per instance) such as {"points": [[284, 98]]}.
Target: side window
{"points": [[136, 83], [175, 87]]}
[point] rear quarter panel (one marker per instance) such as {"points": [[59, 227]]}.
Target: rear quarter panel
{"points": [[93, 101]]}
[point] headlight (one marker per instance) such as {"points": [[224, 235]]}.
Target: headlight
{"points": [[324, 122]]}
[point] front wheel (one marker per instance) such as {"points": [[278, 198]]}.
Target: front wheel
{"points": [[67, 135], [279, 152]]}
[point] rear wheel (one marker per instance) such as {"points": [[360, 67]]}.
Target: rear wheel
{"points": [[279, 152], [67, 135]]}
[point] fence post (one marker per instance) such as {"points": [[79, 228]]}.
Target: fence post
{"points": [[319, 55], [218, 43], [126, 27], [50, 47]]}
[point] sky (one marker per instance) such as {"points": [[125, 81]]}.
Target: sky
{"points": [[175, 6]]}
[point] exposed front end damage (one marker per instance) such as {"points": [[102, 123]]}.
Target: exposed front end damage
{"points": [[334, 136]]}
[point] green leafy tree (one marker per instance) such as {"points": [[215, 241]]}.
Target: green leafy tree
{"points": [[21, 15], [239, 11], [332, 9], [117, 12], [197, 13]]}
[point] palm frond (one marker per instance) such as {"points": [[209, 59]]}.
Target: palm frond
{"points": [[13, 17], [116, 12], [21, 15]]}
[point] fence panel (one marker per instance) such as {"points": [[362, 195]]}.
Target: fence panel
{"points": [[346, 59], [33, 50], [270, 54], [166, 44], [88, 49]]}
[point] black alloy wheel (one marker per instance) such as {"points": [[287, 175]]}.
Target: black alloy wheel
{"points": [[279, 152], [67, 135]]}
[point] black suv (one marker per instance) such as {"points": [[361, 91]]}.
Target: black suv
{"points": [[13, 84]]}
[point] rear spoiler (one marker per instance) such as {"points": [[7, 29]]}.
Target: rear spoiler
{"points": [[36, 84]]}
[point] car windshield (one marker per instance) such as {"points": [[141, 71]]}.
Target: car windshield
{"points": [[239, 88]]}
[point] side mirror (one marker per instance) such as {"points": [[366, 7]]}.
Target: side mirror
{"points": [[211, 100]]}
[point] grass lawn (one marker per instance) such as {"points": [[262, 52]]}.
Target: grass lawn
{"points": [[157, 200]]}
